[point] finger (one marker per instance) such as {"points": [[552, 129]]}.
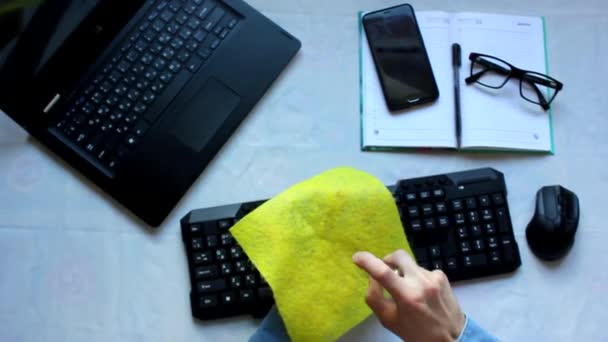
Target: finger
{"points": [[385, 309], [380, 271], [402, 261]]}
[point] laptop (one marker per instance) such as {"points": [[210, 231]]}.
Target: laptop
{"points": [[139, 96]]}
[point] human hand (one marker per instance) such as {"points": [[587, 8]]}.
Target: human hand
{"points": [[422, 307]]}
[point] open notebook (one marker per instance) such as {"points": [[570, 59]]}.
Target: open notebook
{"points": [[491, 119]]}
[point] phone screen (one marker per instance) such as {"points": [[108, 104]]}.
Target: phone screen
{"points": [[401, 59]]}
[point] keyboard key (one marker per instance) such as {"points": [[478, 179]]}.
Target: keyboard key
{"points": [[175, 5], [436, 264], [197, 243], [240, 266], [465, 247], [235, 282], [212, 241], [492, 242], [236, 252], [194, 64], [473, 217], [226, 268], [232, 23], [502, 220], [173, 27], [246, 296], [462, 232], [413, 211], [475, 230], [486, 215], [167, 15], [438, 193], [114, 76], [224, 34], [490, 228], [147, 58], [479, 245], [473, 261], [149, 35], [425, 195], [193, 23], [204, 53], [155, 48], [164, 38], [166, 77], [415, 225], [434, 252], [459, 218], [441, 207], [174, 66], [457, 205], [484, 200], [195, 229], [265, 293], [168, 53], [203, 257], [250, 280], [498, 199], [130, 140], [471, 203], [190, 8], [205, 9], [452, 264], [206, 302], [495, 257], [213, 19], [226, 239], [429, 223], [427, 209], [159, 63], [185, 33], [508, 248], [228, 298], [420, 254], [411, 197], [176, 43], [205, 272], [140, 128], [133, 95], [182, 18], [221, 254], [443, 221], [191, 45]]}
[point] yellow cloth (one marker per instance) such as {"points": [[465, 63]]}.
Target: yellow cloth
{"points": [[302, 242]]}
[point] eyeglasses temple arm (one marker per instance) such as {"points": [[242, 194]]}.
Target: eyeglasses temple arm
{"points": [[541, 97]]}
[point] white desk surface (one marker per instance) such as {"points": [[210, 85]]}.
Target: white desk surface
{"points": [[77, 267]]}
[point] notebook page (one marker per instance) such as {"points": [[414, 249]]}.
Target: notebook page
{"points": [[501, 118], [429, 125]]}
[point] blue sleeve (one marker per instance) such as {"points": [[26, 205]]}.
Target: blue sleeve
{"points": [[271, 329], [472, 332]]}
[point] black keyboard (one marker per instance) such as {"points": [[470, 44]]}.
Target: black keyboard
{"points": [[117, 105], [457, 222]]}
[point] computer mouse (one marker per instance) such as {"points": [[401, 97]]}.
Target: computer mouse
{"points": [[551, 231]]}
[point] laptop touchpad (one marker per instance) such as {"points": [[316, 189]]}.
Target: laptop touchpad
{"points": [[203, 113]]}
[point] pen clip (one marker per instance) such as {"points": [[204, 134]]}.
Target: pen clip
{"points": [[456, 55]]}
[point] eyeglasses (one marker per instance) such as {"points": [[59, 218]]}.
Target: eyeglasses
{"points": [[494, 73]]}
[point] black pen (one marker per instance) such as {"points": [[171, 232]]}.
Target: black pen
{"points": [[456, 62]]}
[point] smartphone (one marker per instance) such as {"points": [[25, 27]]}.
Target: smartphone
{"points": [[401, 60]]}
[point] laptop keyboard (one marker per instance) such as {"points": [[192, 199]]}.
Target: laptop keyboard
{"points": [[108, 117], [456, 222]]}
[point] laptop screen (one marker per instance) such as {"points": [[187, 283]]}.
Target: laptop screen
{"points": [[50, 23]]}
